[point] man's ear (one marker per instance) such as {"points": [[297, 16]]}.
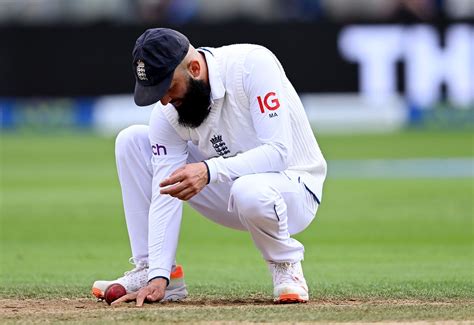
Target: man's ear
{"points": [[194, 67]]}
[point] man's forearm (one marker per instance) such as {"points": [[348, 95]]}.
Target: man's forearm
{"points": [[265, 158]]}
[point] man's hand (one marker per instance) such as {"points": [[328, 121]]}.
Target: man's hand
{"points": [[185, 182], [154, 291]]}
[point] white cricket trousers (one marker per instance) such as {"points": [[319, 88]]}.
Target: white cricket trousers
{"points": [[270, 206]]}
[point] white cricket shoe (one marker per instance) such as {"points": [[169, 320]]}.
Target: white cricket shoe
{"points": [[289, 285], [138, 278]]}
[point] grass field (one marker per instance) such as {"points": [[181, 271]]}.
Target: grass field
{"points": [[379, 250]]}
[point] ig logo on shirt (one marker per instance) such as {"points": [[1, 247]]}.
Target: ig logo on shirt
{"points": [[269, 102]]}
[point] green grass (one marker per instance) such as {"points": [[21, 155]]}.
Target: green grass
{"points": [[408, 144], [62, 227]]}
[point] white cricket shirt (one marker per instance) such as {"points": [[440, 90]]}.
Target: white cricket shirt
{"points": [[256, 124]]}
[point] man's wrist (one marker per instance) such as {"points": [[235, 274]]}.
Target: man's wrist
{"points": [[158, 278], [208, 172]]}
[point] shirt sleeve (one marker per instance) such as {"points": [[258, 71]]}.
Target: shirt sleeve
{"points": [[164, 218], [268, 107]]}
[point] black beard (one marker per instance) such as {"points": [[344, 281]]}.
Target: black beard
{"points": [[195, 105]]}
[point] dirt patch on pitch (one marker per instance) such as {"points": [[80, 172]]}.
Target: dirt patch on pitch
{"points": [[216, 311]]}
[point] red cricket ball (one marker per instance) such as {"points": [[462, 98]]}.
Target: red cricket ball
{"points": [[113, 292]]}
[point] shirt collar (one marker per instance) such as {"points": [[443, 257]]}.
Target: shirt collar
{"points": [[215, 81]]}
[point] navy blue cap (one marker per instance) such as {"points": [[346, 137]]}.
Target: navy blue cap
{"points": [[156, 55]]}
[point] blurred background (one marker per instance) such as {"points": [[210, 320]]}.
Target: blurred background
{"points": [[359, 65], [388, 86]]}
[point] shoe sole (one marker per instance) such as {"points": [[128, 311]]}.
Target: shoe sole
{"points": [[98, 293], [290, 298], [175, 296]]}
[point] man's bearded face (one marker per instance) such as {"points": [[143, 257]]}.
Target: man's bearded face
{"points": [[194, 108]]}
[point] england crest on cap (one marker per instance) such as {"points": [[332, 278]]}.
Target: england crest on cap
{"points": [[141, 70]]}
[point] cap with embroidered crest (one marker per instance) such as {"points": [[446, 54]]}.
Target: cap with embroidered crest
{"points": [[157, 53]]}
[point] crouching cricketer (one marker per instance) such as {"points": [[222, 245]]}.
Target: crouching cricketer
{"points": [[229, 135]]}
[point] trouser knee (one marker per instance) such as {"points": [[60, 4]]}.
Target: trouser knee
{"points": [[253, 202], [128, 140]]}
